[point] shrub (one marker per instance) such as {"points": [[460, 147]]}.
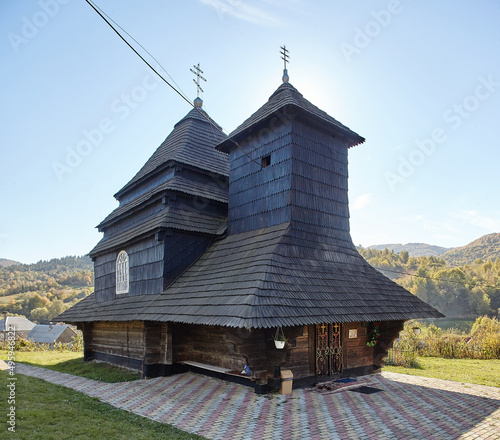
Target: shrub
{"points": [[23, 344], [482, 342], [405, 349]]}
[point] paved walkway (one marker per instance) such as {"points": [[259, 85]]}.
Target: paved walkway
{"points": [[408, 407]]}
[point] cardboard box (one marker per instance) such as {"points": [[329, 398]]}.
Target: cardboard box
{"points": [[286, 382]]}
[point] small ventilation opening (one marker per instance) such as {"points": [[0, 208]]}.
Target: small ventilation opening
{"points": [[266, 161]]}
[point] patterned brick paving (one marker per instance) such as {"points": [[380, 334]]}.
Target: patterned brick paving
{"points": [[409, 407]]}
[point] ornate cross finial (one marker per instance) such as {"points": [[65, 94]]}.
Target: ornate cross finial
{"points": [[284, 57], [197, 71]]}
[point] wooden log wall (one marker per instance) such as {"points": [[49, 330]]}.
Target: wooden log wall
{"points": [[356, 353], [299, 360], [88, 344], [125, 339], [220, 346]]}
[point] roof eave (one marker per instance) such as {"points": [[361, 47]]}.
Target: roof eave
{"points": [[232, 140]]}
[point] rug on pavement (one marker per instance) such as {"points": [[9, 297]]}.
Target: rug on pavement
{"points": [[365, 390], [337, 385]]}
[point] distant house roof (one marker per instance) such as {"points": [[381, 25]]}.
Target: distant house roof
{"points": [[192, 143], [48, 334], [287, 97], [20, 323], [265, 278]]}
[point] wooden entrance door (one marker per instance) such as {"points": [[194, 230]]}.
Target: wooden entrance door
{"points": [[328, 349]]}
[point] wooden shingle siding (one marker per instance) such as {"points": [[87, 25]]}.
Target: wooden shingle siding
{"points": [[191, 143], [128, 222], [288, 258], [143, 191], [105, 276], [213, 188], [146, 267], [181, 250], [186, 218], [260, 197], [281, 108]]}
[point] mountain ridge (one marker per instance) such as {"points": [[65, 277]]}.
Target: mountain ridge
{"points": [[483, 248], [5, 262], [414, 249]]}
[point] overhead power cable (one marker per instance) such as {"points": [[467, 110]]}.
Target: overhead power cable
{"points": [[177, 90], [102, 15]]}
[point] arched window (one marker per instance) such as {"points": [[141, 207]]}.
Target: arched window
{"points": [[122, 273]]}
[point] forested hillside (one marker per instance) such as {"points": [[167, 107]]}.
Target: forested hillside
{"points": [[42, 290], [488, 246], [465, 291], [414, 249]]}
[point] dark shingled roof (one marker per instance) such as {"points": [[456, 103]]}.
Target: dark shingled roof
{"points": [[284, 97], [192, 143], [176, 183], [289, 274], [265, 278], [187, 219]]}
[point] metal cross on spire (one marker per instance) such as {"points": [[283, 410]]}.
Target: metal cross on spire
{"points": [[198, 102], [284, 57]]}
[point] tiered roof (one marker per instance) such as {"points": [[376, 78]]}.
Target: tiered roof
{"points": [[191, 143], [285, 274]]}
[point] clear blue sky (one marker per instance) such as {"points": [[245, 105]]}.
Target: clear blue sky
{"points": [[80, 113]]}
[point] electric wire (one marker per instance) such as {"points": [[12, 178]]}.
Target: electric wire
{"points": [[137, 53], [178, 90], [108, 21]]}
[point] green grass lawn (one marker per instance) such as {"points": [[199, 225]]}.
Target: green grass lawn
{"points": [[72, 363], [482, 372], [52, 412]]}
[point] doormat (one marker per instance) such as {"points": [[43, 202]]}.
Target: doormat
{"points": [[366, 390], [345, 380]]}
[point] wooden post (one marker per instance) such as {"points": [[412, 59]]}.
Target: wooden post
{"points": [[88, 337]]}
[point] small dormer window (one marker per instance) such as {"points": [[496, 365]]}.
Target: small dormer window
{"points": [[266, 161], [122, 271]]}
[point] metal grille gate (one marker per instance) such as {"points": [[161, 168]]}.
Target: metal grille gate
{"points": [[328, 349]]}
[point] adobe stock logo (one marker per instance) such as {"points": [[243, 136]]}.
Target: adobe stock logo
{"points": [[371, 30], [454, 115], [120, 109], [31, 26]]}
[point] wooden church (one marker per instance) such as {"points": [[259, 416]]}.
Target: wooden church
{"points": [[222, 246]]}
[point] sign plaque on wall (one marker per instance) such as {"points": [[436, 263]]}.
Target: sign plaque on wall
{"points": [[353, 333]]}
